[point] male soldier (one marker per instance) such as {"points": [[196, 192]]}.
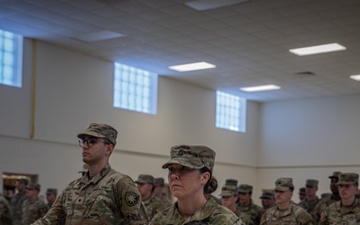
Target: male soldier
{"points": [[17, 201], [246, 204], [302, 194], [102, 195], [33, 207], [311, 200], [285, 211], [229, 197], [5, 211], [347, 210], [153, 205], [159, 185], [334, 196], [267, 198], [51, 194]]}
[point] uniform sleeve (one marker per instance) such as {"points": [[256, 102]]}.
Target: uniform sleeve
{"points": [[263, 218], [130, 201], [56, 215]]}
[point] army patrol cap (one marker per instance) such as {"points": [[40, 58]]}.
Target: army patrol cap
{"points": [[335, 174], [311, 183], [284, 184], [23, 180], [51, 191], [227, 191], [348, 178], [268, 194], [100, 131], [191, 156], [33, 186], [245, 188], [231, 182], [159, 182], [145, 179], [302, 191]]}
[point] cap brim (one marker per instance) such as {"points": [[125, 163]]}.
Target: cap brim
{"points": [[282, 189], [93, 134], [345, 182], [182, 162]]}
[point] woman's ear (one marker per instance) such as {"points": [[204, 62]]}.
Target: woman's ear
{"points": [[205, 177]]}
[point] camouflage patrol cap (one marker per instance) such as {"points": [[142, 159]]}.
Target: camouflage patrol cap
{"points": [[159, 182], [191, 156], [348, 178], [23, 180], [33, 186], [245, 188], [231, 182], [335, 174], [228, 191], [51, 191], [145, 179], [267, 193], [101, 131], [284, 184], [311, 183], [302, 191]]}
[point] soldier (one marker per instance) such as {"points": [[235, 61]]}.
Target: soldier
{"points": [[229, 197], [5, 211], [190, 169], [231, 182], [246, 204], [17, 201], [153, 205], [302, 194], [347, 210], [334, 196], [159, 184], [33, 207], [51, 194], [267, 198], [311, 200], [285, 211], [102, 195]]}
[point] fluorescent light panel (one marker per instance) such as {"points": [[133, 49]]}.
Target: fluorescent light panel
{"points": [[260, 88], [192, 67], [318, 49], [355, 77], [201, 5], [98, 36]]}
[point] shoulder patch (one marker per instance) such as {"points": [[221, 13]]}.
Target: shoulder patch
{"points": [[131, 198]]}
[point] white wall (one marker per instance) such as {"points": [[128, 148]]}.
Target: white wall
{"points": [[73, 90]]}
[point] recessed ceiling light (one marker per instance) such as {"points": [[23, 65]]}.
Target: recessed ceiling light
{"points": [[355, 77], [318, 49], [192, 66], [201, 5], [98, 36], [260, 88]]}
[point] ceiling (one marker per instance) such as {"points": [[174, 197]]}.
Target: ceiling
{"points": [[249, 42]]}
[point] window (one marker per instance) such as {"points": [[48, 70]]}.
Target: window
{"points": [[135, 89], [230, 112], [10, 59]]}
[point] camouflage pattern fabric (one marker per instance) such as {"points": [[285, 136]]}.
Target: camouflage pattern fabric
{"points": [[294, 214], [153, 205], [310, 206], [253, 210], [33, 210], [341, 215], [5, 212], [109, 198], [211, 213], [165, 200], [217, 200], [323, 204], [16, 207], [246, 218]]}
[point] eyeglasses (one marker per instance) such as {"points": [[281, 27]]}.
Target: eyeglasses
{"points": [[90, 142]]}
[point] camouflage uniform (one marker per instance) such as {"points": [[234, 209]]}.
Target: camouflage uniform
{"points": [[310, 205], [33, 210], [246, 218], [159, 182], [210, 213], [16, 207], [5, 212], [153, 205], [109, 198], [294, 214], [165, 200], [253, 210]]}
